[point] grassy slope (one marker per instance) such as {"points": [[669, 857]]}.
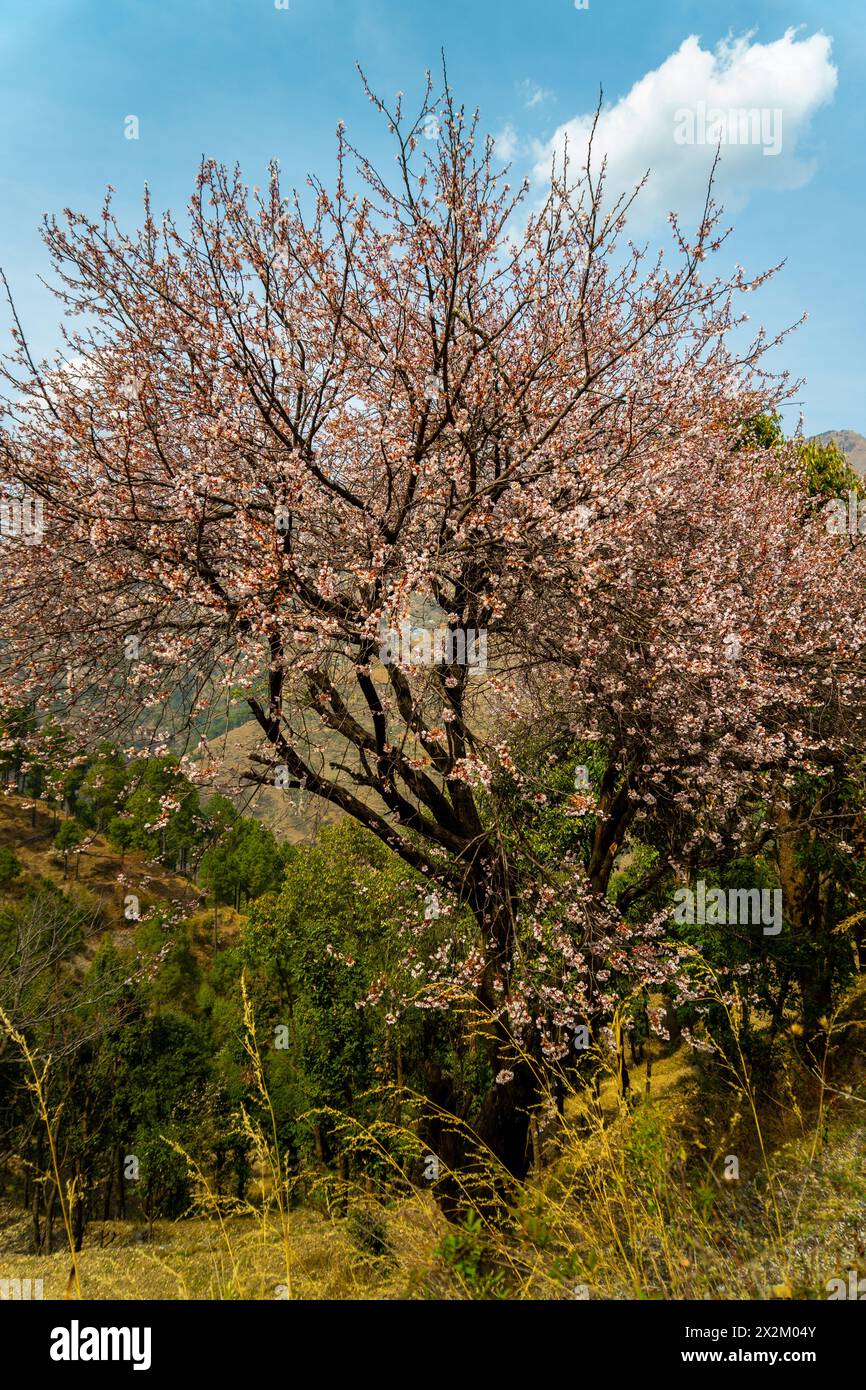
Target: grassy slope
{"points": [[819, 1167], [821, 1190], [100, 867], [100, 864]]}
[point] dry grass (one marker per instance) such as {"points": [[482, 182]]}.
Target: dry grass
{"points": [[631, 1201], [618, 1215], [100, 863]]}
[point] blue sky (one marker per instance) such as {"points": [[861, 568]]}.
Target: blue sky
{"points": [[242, 79]]}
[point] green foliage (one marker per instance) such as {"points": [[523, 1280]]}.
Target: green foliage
{"points": [[333, 949], [465, 1251], [342, 920], [177, 982], [69, 835], [828, 472], [245, 861], [554, 828], [102, 788], [9, 867], [761, 432], [158, 778]]}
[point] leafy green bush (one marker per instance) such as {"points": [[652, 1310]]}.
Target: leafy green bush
{"points": [[9, 867]]}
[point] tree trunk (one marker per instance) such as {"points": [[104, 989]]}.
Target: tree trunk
{"points": [[503, 1119], [808, 900]]}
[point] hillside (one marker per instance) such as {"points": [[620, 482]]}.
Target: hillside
{"points": [[28, 830], [101, 877], [292, 815], [597, 1222], [630, 1198], [851, 444]]}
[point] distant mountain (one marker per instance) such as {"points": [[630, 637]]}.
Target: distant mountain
{"points": [[291, 814], [852, 445]]}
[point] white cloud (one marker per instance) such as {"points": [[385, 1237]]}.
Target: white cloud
{"points": [[785, 82], [507, 143], [533, 94]]}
